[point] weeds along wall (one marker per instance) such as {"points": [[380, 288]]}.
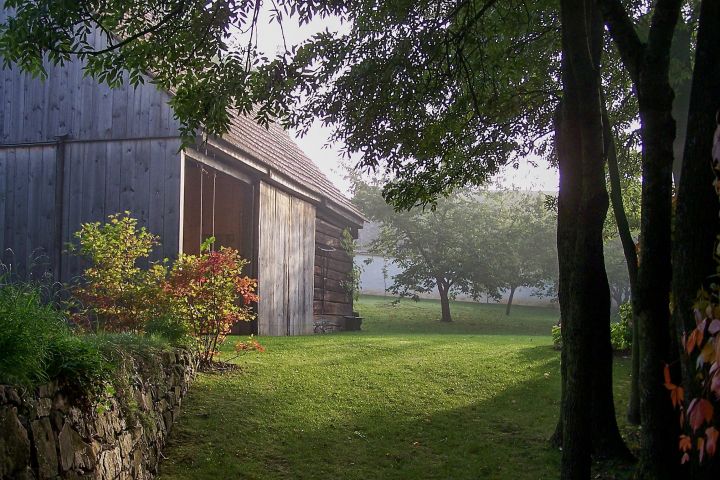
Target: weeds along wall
{"points": [[50, 433]]}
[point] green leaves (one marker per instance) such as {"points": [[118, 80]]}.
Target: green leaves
{"points": [[479, 243]]}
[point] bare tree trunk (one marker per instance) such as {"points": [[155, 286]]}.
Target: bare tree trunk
{"points": [[510, 300], [648, 65], [443, 289], [631, 260], [587, 403], [583, 132]]}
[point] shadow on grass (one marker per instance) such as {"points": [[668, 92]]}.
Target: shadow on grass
{"points": [[235, 426]]}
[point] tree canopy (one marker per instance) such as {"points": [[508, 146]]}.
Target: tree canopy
{"points": [[475, 243]]}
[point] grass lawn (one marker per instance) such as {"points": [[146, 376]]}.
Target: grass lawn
{"points": [[406, 398]]}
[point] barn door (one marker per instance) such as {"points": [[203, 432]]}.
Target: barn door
{"points": [[285, 263]]}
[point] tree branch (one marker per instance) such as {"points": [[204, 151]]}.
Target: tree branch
{"points": [[662, 28], [622, 31]]}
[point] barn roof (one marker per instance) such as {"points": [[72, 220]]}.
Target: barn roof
{"points": [[273, 147]]}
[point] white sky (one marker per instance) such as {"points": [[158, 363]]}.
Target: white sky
{"points": [[328, 157]]}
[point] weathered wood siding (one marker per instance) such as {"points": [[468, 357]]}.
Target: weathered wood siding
{"points": [[33, 110], [121, 152], [333, 267], [100, 179], [285, 263]]}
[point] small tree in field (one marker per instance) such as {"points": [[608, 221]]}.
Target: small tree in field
{"points": [[210, 294], [520, 231], [473, 243], [433, 248]]}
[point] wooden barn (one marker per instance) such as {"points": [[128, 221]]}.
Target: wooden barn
{"points": [[75, 151]]}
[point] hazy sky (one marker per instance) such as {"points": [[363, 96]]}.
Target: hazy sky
{"points": [[526, 177]]}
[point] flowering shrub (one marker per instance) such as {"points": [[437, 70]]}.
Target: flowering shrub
{"points": [[209, 293], [116, 295]]}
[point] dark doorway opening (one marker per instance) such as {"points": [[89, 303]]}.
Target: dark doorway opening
{"points": [[221, 206]]}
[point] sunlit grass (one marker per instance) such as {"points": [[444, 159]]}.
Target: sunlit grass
{"points": [[407, 398]]}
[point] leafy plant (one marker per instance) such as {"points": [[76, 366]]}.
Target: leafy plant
{"points": [[27, 327], [701, 426], [209, 294], [36, 344], [169, 327], [352, 284], [557, 337], [621, 331], [116, 294], [249, 345]]}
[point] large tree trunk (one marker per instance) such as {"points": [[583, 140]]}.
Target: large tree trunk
{"points": [[658, 458], [510, 300], [648, 65], [587, 403], [567, 152], [443, 289], [696, 219], [631, 260]]}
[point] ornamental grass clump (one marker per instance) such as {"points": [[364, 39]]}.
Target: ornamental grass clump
{"points": [[37, 345], [210, 293]]}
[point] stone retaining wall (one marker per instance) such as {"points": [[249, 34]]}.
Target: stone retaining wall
{"points": [[46, 435]]}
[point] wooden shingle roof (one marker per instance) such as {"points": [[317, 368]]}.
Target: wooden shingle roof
{"points": [[273, 147]]}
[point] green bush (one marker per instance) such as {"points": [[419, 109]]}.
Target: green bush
{"points": [[169, 327], [36, 345], [557, 337], [116, 294], [621, 331]]}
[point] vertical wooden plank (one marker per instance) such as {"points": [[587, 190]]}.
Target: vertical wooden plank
{"points": [[75, 152], [156, 204], [113, 177], [283, 265], [76, 100], [46, 213], [141, 182], [61, 121], [21, 209], [181, 204], [127, 167], [9, 225], [3, 76], [93, 208], [28, 100], [120, 109], [16, 100], [292, 260], [141, 111], [266, 281], [133, 95], [3, 197], [309, 266], [34, 186], [103, 124], [154, 107], [299, 214], [305, 320], [171, 186]]}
